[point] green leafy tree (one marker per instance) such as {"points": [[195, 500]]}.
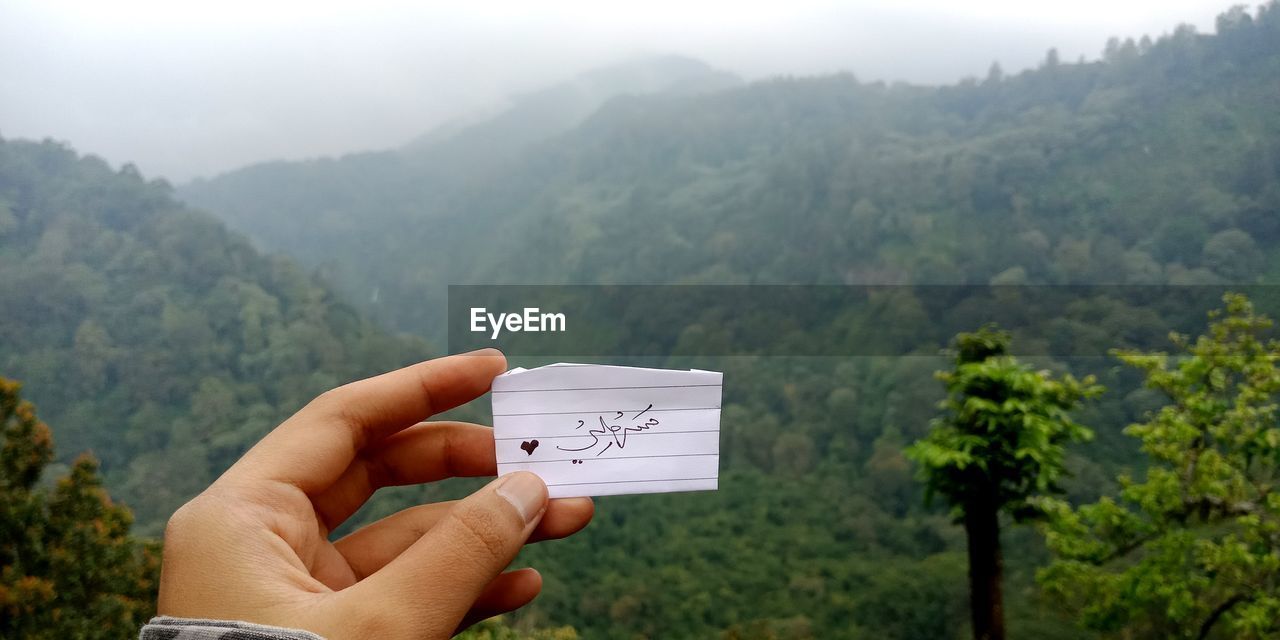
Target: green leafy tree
{"points": [[1193, 550], [998, 446], [68, 567]]}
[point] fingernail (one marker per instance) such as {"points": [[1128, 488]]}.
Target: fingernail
{"points": [[526, 492]]}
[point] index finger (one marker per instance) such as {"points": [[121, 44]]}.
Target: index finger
{"points": [[311, 449]]}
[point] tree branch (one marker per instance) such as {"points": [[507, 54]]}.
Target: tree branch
{"points": [[1217, 614], [1123, 550]]}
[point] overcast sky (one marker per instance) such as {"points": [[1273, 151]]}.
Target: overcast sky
{"points": [[184, 88]]}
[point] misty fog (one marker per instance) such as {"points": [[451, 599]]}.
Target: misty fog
{"points": [[185, 92]]}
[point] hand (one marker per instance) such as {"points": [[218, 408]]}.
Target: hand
{"points": [[255, 545]]}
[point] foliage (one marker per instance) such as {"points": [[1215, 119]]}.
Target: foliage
{"points": [[151, 334], [1001, 441], [68, 567], [1155, 165], [1193, 549]]}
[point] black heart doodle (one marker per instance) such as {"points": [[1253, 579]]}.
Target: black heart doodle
{"points": [[529, 446]]}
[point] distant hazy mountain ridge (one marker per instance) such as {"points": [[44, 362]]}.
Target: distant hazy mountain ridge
{"points": [[1155, 165], [540, 114], [360, 196]]}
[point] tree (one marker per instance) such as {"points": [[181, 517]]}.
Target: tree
{"points": [[68, 567], [1193, 551], [995, 74], [1051, 60], [997, 447]]}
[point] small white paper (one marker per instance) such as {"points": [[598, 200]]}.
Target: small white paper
{"points": [[599, 430]]}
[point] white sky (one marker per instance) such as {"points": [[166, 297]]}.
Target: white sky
{"points": [[186, 88]]}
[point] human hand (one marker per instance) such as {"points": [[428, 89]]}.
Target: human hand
{"points": [[255, 545]]}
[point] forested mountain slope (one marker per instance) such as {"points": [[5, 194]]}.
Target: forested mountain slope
{"points": [[362, 197], [152, 335], [1158, 164]]}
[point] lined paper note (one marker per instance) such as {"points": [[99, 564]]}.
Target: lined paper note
{"points": [[598, 430]]}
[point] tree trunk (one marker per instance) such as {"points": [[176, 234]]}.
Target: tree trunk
{"points": [[986, 571]]}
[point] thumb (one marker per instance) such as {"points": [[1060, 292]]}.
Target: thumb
{"points": [[440, 576]]}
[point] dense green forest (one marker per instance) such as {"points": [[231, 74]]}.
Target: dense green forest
{"points": [[1155, 165], [149, 333]]}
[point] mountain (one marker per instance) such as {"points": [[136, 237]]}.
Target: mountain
{"points": [[540, 114], [151, 335], [1157, 164], [352, 195]]}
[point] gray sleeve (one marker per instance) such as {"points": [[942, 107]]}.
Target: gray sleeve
{"points": [[166, 628]]}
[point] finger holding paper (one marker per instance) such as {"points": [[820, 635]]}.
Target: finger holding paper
{"points": [[255, 545]]}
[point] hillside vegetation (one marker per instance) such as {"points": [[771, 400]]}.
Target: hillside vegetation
{"points": [[1157, 164], [153, 336]]}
